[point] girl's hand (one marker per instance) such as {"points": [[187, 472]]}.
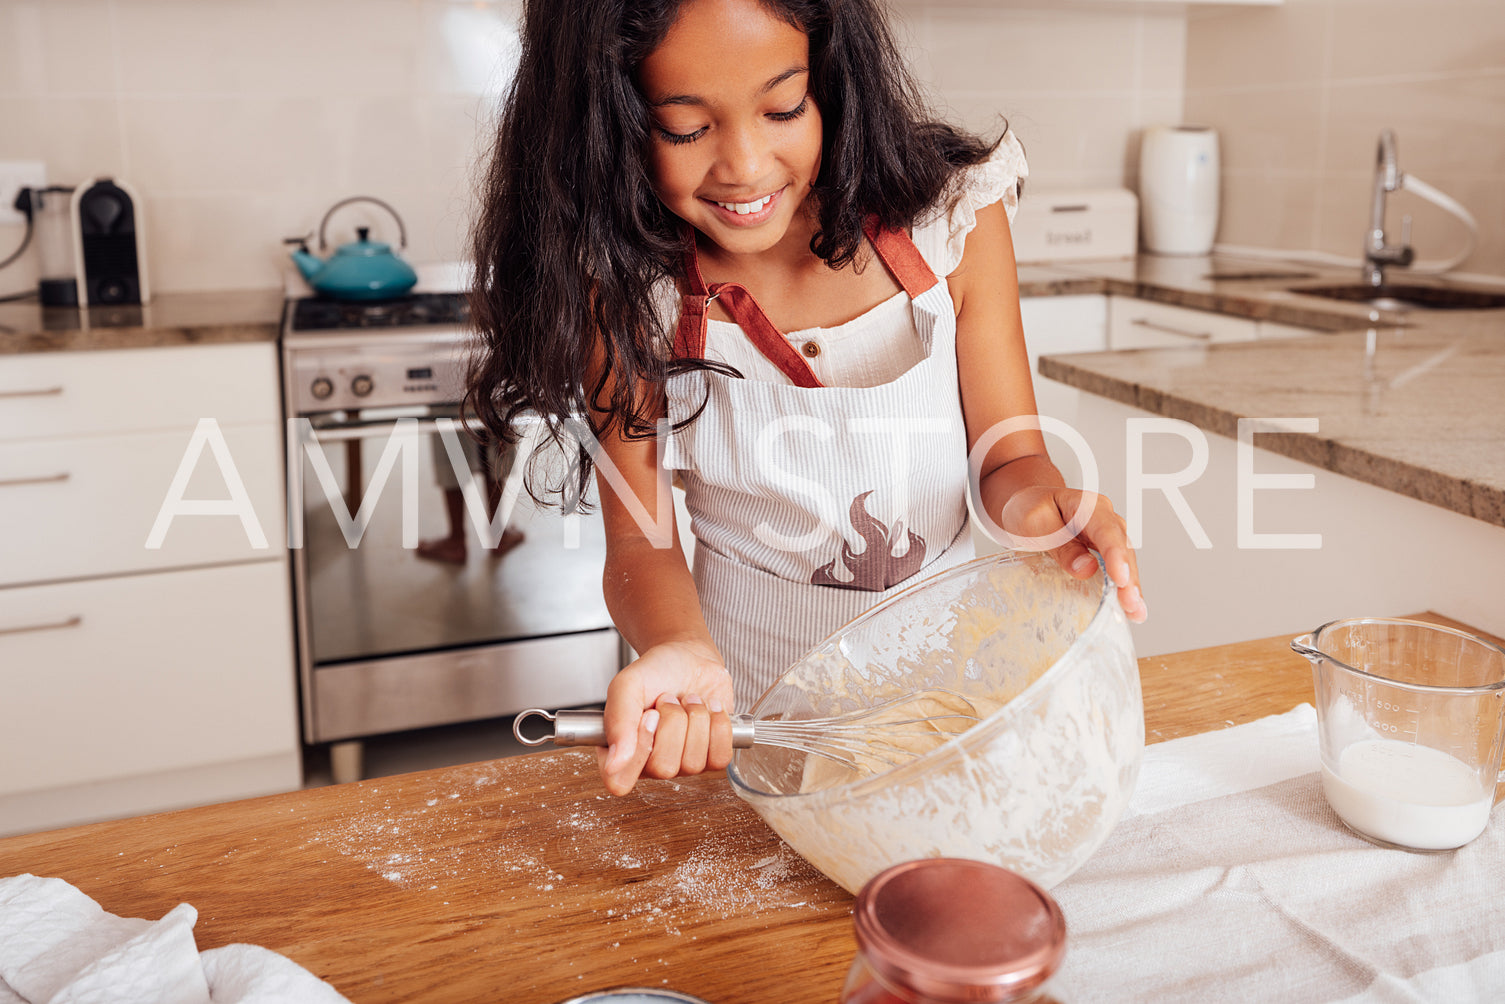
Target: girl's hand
{"points": [[1042, 510], [667, 715]]}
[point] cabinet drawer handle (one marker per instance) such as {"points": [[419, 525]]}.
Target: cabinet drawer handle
{"points": [[44, 479], [1201, 336], [73, 621], [39, 392]]}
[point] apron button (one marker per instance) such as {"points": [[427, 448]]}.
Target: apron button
{"points": [[810, 349]]}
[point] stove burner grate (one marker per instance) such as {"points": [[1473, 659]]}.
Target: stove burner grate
{"points": [[320, 313]]}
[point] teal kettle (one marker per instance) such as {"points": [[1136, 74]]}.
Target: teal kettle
{"points": [[362, 270]]}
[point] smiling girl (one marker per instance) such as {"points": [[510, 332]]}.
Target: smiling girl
{"points": [[727, 234]]}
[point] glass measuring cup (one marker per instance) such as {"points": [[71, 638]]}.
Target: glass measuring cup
{"points": [[1411, 723]]}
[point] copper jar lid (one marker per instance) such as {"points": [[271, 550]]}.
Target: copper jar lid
{"points": [[958, 930]]}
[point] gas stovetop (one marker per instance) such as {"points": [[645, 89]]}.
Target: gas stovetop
{"points": [[342, 356], [322, 314]]}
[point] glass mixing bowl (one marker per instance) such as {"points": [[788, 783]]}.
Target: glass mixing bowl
{"points": [[1035, 786]]}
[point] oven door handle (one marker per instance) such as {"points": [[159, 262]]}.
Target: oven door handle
{"points": [[370, 430]]}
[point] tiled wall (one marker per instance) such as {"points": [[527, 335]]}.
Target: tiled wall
{"points": [[240, 121], [1300, 93], [1077, 84]]}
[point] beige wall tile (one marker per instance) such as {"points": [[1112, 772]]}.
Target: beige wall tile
{"points": [[1071, 136], [1163, 49], [1260, 210], [77, 47], [466, 48], [182, 47], [458, 133], [185, 145], [75, 137], [269, 46], [56, 47], [1265, 129], [1442, 124], [1257, 46], [21, 68], [1342, 211], [1384, 38], [379, 142], [1008, 49], [222, 241]]}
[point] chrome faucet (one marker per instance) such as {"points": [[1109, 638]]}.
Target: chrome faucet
{"points": [[1387, 179]]}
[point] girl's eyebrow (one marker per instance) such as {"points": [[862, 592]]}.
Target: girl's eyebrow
{"points": [[690, 99]]}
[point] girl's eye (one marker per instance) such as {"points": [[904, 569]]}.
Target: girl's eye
{"points": [[678, 138], [792, 113]]}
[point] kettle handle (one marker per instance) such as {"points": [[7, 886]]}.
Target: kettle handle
{"points": [[402, 231]]}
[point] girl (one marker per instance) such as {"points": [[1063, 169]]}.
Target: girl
{"points": [[730, 220]]}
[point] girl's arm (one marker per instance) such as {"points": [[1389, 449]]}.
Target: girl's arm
{"points": [[1021, 490], [667, 712]]}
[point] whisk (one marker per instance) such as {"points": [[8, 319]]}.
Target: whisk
{"points": [[850, 739]]}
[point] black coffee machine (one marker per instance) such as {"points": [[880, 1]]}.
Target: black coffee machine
{"points": [[110, 257]]}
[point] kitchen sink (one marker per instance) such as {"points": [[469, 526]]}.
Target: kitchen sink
{"points": [[1401, 296]]}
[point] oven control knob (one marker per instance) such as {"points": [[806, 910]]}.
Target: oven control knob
{"points": [[361, 385], [322, 387]]}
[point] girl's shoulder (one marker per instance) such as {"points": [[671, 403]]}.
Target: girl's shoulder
{"points": [[941, 233]]}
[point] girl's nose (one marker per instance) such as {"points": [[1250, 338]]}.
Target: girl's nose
{"points": [[739, 158]]}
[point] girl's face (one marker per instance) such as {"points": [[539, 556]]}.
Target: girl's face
{"points": [[736, 136]]}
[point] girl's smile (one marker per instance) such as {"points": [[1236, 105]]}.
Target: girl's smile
{"points": [[736, 136], [748, 212]]}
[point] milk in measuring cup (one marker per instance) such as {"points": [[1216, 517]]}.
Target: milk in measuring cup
{"points": [[1406, 794]]}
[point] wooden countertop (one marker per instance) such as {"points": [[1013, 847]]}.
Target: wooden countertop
{"points": [[520, 880]]}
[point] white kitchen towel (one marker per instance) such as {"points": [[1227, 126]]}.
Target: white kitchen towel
{"points": [[1231, 879], [58, 946]]}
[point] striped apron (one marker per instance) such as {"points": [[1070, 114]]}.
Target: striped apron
{"points": [[810, 504]]}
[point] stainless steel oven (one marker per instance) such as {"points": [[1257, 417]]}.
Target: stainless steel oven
{"points": [[390, 636]]}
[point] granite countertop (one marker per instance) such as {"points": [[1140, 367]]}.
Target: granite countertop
{"points": [[1407, 401], [211, 318]]}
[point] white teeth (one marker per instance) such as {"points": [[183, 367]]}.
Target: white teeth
{"points": [[743, 208]]}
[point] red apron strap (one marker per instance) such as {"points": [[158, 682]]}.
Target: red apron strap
{"points": [[689, 337], [902, 259], [897, 252], [764, 336]]}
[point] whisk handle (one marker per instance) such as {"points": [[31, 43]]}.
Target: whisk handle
{"points": [[588, 728]]}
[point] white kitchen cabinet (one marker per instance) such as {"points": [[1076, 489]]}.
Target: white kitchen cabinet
{"points": [[141, 678], [45, 395], [1055, 325], [129, 675], [88, 504], [1144, 324], [1381, 553]]}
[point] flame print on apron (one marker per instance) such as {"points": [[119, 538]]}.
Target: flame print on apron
{"points": [[877, 568], [811, 503]]}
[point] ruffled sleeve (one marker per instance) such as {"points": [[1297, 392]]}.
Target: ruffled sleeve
{"points": [[942, 235]]}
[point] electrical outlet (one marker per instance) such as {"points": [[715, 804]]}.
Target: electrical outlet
{"points": [[14, 176]]}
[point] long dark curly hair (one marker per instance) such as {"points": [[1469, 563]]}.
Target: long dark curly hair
{"points": [[571, 239]]}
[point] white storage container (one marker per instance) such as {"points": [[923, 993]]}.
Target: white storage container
{"points": [[1082, 224], [1179, 177]]}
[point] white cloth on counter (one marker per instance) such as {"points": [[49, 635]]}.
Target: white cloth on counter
{"points": [[60, 947], [1231, 879]]}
